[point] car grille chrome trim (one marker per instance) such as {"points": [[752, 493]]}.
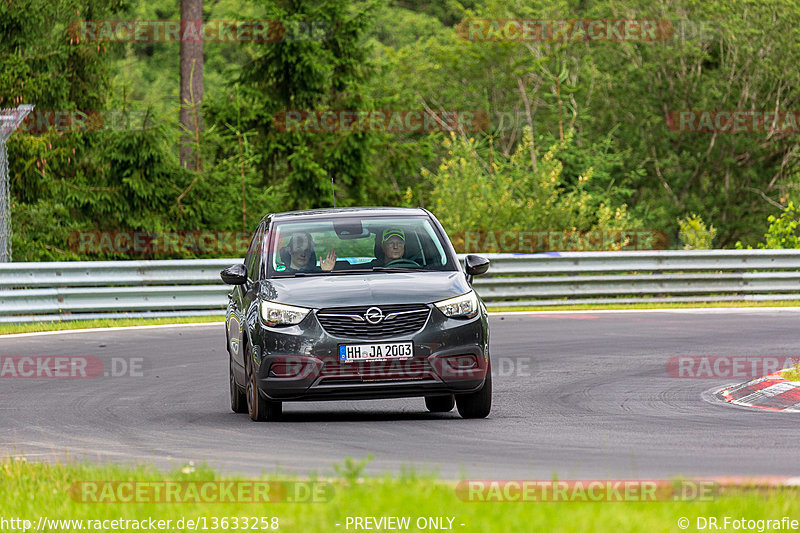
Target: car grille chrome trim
{"points": [[350, 322], [400, 313], [357, 318]]}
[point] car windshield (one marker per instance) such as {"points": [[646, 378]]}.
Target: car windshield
{"points": [[356, 245]]}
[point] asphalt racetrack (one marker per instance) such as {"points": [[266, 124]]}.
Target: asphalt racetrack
{"points": [[580, 395]]}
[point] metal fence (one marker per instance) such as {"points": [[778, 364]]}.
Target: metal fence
{"points": [[103, 289], [10, 119]]}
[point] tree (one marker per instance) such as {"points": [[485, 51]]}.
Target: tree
{"points": [[191, 81], [321, 63], [45, 60]]}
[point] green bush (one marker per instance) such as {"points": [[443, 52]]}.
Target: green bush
{"points": [[782, 232], [473, 190], [694, 235]]}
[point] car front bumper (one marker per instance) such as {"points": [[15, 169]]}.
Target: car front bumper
{"points": [[298, 363]]}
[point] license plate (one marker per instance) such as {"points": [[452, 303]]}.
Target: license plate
{"points": [[375, 352]]}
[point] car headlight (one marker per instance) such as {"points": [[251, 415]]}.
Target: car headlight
{"points": [[275, 314], [464, 306]]}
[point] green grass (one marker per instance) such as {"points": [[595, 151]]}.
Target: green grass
{"points": [[792, 374], [6, 329], [31, 490], [104, 323]]}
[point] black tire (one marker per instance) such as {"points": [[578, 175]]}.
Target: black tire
{"points": [[238, 397], [440, 404], [258, 408], [477, 404]]}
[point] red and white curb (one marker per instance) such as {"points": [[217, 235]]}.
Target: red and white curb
{"points": [[772, 392]]}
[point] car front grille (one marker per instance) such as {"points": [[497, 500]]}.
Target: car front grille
{"points": [[352, 322]]}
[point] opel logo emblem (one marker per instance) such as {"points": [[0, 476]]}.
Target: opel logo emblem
{"points": [[374, 315]]}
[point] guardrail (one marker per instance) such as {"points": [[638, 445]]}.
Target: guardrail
{"points": [[103, 289]]}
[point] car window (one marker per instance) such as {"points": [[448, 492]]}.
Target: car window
{"points": [[303, 247]]}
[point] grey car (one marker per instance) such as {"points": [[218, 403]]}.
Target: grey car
{"points": [[356, 303]]}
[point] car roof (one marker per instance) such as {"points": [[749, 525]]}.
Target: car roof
{"points": [[349, 212]]}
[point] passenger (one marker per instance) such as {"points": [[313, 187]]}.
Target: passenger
{"points": [[299, 255]]}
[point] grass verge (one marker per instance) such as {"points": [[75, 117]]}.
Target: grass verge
{"points": [[33, 490], [792, 374], [32, 327]]}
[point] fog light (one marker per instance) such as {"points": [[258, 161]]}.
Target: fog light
{"points": [[462, 362], [288, 368]]}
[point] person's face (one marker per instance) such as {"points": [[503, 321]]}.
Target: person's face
{"points": [[393, 248], [300, 251]]}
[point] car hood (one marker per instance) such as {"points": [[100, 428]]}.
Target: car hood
{"points": [[342, 290]]}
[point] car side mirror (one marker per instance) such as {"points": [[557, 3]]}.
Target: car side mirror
{"points": [[234, 275], [476, 265]]}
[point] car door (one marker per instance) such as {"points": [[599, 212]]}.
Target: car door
{"points": [[241, 297]]}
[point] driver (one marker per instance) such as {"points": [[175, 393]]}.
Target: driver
{"points": [[393, 245]]}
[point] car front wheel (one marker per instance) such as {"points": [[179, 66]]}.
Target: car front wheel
{"points": [[258, 408], [477, 404]]}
